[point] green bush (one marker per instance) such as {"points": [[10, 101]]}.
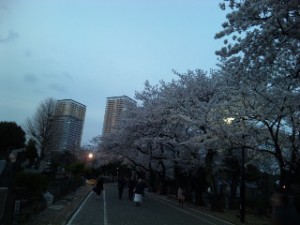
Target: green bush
{"points": [[32, 182], [76, 168]]}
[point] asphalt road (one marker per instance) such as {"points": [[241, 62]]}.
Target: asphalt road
{"points": [[109, 210]]}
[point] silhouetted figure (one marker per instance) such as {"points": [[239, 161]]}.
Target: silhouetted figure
{"points": [[138, 192], [131, 186], [121, 186], [99, 187], [181, 195]]}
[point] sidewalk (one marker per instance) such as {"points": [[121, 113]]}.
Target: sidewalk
{"points": [[60, 212]]}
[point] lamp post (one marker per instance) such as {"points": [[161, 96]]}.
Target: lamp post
{"points": [[91, 155], [229, 120], [242, 187], [90, 158]]}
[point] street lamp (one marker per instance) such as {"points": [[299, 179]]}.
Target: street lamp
{"points": [[229, 120], [89, 159], [242, 187], [91, 155]]}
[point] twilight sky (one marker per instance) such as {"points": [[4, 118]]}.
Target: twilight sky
{"points": [[87, 50]]}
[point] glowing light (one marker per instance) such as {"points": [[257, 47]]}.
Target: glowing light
{"points": [[91, 155], [229, 120]]}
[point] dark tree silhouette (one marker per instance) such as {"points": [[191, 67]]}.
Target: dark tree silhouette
{"points": [[41, 127], [12, 136], [31, 152]]}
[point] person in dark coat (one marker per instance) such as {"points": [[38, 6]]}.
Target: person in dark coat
{"points": [[121, 186], [138, 192], [131, 186], [99, 187], [181, 195]]}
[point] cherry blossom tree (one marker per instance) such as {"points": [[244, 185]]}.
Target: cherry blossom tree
{"points": [[260, 33], [169, 130], [261, 66]]}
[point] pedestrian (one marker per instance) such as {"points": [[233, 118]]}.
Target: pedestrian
{"points": [[138, 192], [283, 210], [121, 186], [131, 186], [143, 187], [181, 195], [98, 187]]}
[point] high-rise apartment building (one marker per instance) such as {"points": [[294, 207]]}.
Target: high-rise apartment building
{"points": [[69, 120], [113, 111]]}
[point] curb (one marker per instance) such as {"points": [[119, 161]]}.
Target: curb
{"points": [[76, 208]]}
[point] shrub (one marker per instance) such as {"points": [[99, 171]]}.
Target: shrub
{"points": [[76, 168], [33, 182]]}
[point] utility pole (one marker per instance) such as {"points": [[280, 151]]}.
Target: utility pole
{"points": [[242, 187]]}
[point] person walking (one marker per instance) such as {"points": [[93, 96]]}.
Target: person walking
{"points": [[121, 186], [131, 185], [138, 192], [181, 195], [99, 187]]}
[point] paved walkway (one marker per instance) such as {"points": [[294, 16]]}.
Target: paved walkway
{"points": [[110, 210], [60, 212], [63, 209]]}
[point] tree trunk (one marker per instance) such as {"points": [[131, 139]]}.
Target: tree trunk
{"points": [[152, 178], [163, 188], [209, 170]]}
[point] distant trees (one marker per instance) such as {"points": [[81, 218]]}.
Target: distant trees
{"points": [[12, 137], [40, 127]]}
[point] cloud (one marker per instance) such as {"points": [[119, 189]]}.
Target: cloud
{"points": [[31, 78], [27, 53], [64, 75], [67, 76], [58, 88], [12, 35], [5, 8]]}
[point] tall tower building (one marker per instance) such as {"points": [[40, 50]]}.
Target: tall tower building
{"points": [[113, 111], [69, 120]]}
